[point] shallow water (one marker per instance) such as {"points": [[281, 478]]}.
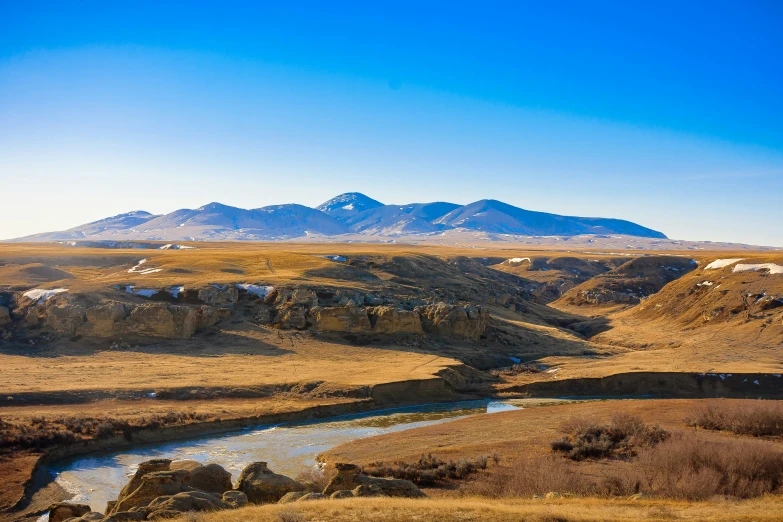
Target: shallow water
{"points": [[288, 448]]}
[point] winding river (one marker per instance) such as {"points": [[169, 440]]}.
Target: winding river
{"points": [[288, 448]]}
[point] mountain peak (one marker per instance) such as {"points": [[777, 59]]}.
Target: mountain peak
{"points": [[348, 204]]}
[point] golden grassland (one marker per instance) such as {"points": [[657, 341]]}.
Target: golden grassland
{"points": [[481, 510], [512, 435]]}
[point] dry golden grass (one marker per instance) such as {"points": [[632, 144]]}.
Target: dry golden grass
{"points": [[481, 510]]}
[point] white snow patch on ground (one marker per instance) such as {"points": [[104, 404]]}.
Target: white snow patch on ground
{"points": [[144, 292], [518, 260], [259, 290], [170, 246], [339, 259], [705, 283], [772, 267], [722, 263], [143, 271], [40, 295], [755, 382], [176, 290], [348, 206]]}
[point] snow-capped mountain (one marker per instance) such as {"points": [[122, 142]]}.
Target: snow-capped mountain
{"points": [[351, 213]]}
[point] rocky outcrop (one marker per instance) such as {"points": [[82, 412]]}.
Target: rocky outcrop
{"points": [[162, 320], [64, 314], [294, 317], [5, 316], [153, 485], [350, 478], [208, 316], [454, 320], [105, 319], [389, 320], [262, 485], [341, 319], [235, 499], [184, 502], [215, 295], [65, 510]]}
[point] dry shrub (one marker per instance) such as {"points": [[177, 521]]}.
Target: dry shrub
{"points": [[315, 478], [429, 470], [621, 438], [756, 418], [687, 466], [693, 467]]}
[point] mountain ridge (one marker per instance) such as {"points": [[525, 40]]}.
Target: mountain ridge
{"points": [[348, 213]]}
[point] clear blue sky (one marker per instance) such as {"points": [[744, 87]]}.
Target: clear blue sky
{"points": [[669, 114]]}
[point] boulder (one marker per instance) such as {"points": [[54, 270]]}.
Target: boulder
{"points": [[304, 297], [104, 319], [341, 319], [218, 295], [293, 317], [64, 510], [92, 516], [64, 314], [293, 496], [162, 320], [369, 490], [186, 501], [266, 315], [210, 478], [235, 499], [343, 493], [208, 316], [389, 320], [5, 316], [312, 496], [148, 466], [348, 477], [154, 485], [454, 320], [261, 485]]}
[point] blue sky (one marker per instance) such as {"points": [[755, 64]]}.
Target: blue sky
{"points": [[669, 115]]}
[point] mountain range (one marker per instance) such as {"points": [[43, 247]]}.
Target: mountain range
{"points": [[350, 213]]}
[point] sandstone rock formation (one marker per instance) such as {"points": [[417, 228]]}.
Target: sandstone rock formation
{"points": [[389, 320], [104, 319], [162, 320], [65, 510], [210, 478], [348, 477], [262, 485], [218, 295], [454, 320], [341, 319], [64, 314]]}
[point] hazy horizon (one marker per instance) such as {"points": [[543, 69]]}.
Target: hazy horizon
{"points": [[669, 116]]}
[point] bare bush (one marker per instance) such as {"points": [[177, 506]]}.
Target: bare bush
{"points": [[621, 438], [315, 479], [687, 466], [755, 418], [430, 470]]}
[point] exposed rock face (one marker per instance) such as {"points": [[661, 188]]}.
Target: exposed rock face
{"points": [[153, 485], [208, 316], [64, 314], [454, 320], [293, 317], [213, 295], [145, 467], [312, 496], [65, 510], [104, 319], [162, 320], [304, 297], [349, 478], [341, 319], [5, 316], [389, 320], [261, 485]]}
